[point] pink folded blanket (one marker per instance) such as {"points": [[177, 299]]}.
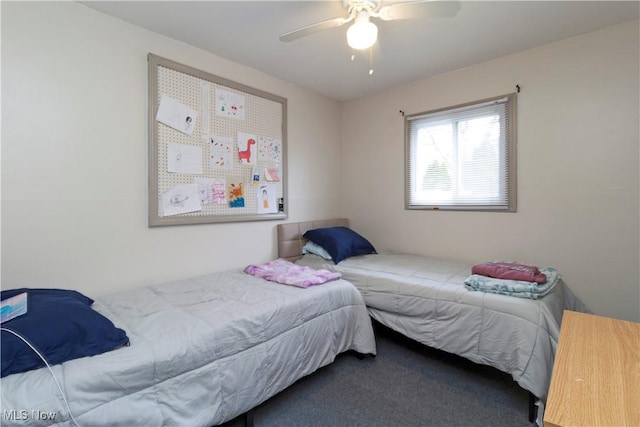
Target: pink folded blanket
{"points": [[510, 271], [288, 273]]}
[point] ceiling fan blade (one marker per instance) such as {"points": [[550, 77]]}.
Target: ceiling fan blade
{"points": [[313, 28], [419, 9]]}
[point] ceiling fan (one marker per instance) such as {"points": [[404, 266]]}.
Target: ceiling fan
{"points": [[362, 34]]}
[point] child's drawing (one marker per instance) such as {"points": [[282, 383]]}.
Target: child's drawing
{"points": [[181, 199], [176, 115], [219, 191], [246, 148], [272, 174], [229, 104], [205, 189], [267, 199], [270, 149], [221, 152], [236, 194]]}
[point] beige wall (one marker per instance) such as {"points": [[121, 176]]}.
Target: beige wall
{"points": [[74, 161], [74, 156], [578, 161]]}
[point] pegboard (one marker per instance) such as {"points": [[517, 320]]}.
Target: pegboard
{"points": [[217, 148]]}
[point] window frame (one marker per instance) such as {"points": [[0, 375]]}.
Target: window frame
{"points": [[511, 154]]}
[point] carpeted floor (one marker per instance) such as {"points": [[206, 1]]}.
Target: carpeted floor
{"points": [[407, 384]]}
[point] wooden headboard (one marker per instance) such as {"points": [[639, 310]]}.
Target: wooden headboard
{"points": [[290, 240]]}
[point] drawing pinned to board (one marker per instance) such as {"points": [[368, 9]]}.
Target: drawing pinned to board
{"points": [[246, 148], [221, 152], [219, 189], [212, 190], [183, 158], [270, 149], [176, 115], [181, 199], [229, 104], [236, 194], [267, 199], [205, 189], [271, 174]]}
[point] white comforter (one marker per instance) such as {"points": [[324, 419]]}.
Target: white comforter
{"points": [[202, 352], [425, 299]]}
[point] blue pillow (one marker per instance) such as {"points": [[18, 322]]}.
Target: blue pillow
{"points": [[340, 242], [59, 323]]}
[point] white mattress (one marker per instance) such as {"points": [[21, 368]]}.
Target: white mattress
{"points": [[425, 299], [202, 352]]}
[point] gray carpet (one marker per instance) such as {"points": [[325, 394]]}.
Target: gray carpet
{"points": [[407, 384]]}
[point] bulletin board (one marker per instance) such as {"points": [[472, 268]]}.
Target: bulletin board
{"points": [[217, 148]]}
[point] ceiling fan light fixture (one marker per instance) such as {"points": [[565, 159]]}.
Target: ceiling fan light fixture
{"points": [[363, 33]]}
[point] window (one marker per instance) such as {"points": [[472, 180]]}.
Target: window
{"points": [[463, 157]]}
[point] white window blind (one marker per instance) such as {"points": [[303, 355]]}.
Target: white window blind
{"points": [[462, 157]]}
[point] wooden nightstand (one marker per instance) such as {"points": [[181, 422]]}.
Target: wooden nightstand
{"points": [[596, 374]]}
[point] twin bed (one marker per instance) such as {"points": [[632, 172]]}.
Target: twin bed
{"points": [[206, 350], [202, 351], [425, 299]]}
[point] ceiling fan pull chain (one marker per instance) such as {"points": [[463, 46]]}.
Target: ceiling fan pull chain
{"points": [[371, 61]]}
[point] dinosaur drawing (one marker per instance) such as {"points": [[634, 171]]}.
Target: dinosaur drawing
{"points": [[246, 154]]}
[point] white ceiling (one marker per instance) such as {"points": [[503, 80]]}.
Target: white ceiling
{"points": [[247, 32]]}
